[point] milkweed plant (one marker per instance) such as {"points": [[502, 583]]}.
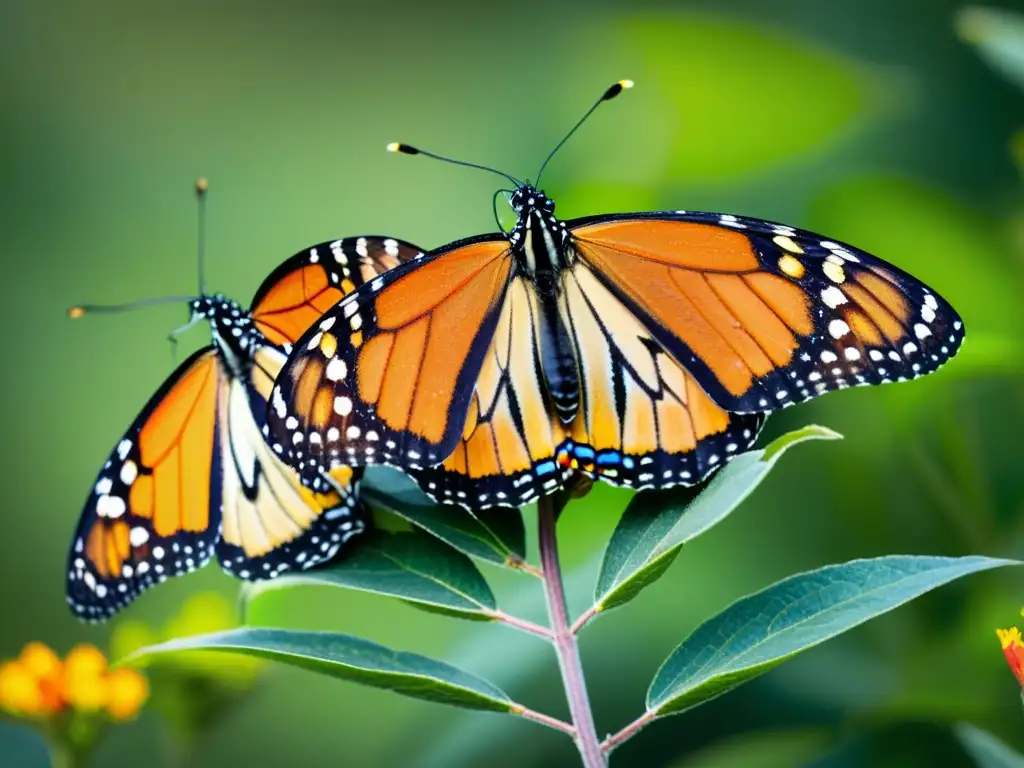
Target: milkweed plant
{"points": [[435, 566]]}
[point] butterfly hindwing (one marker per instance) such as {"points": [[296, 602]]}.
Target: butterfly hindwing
{"points": [[271, 522], [765, 315], [154, 511]]}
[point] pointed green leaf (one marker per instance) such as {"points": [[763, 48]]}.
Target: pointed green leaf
{"points": [[985, 749], [762, 630], [496, 535], [350, 658], [410, 565], [656, 524]]}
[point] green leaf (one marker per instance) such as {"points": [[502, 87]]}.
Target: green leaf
{"points": [[350, 658], [762, 630], [410, 565], [496, 535], [999, 37], [985, 749], [655, 525]]}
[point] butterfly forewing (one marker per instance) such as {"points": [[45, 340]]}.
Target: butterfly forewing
{"points": [[154, 510], [386, 375], [312, 281], [765, 315]]}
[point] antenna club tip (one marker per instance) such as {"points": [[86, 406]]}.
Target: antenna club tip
{"points": [[202, 184], [405, 149], [616, 89], [76, 312]]}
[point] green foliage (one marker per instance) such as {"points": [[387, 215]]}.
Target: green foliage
{"points": [[655, 526], [999, 37], [985, 749], [495, 536], [747, 639], [350, 658], [762, 630], [412, 565]]}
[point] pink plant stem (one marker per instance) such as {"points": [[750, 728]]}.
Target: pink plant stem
{"points": [[590, 613], [551, 722], [565, 643], [628, 732], [522, 624]]}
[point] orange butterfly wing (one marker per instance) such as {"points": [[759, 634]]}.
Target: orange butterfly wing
{"points": [[643, 421], [303, 287], [765, 315], [154, 509], [415, 342]]}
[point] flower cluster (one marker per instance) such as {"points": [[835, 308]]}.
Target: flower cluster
{"points": [[38, 685]]}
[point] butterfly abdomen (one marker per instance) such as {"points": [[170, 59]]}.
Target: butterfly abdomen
{"points": [[558, 362]]}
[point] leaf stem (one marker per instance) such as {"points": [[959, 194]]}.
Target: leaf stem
{"points": [[586, 616], [521, 624], [540, 717], [519, 564], [628, 732], [565, 642]]}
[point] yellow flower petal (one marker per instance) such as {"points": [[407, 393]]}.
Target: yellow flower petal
{"points": [[85, 678], [40, 661], [1009, 637], [19, 691], [127, 691]]}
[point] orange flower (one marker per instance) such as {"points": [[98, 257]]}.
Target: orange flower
{"points": [[1013, 649], [39, 685], [85, 671], [127, 691], [20, 693]]}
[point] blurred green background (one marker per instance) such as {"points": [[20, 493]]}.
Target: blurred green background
{"points": [[867, 120]]}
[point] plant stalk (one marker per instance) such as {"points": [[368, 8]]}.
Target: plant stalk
{"points": [[565, 642]]}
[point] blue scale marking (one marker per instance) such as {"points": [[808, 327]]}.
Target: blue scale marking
{"points": [[583, 452], [608, 458], [545, 468]]}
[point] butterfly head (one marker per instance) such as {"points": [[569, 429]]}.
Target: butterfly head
{"points": [[233, 329], [538, 238], [527, 198]]}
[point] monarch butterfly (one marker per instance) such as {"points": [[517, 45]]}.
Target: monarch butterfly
{"points": [[193, 475], [640, 348]]}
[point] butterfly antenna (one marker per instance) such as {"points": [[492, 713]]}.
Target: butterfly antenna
{"points": [[202, 185], [608, 95], [494, 204], [405, 149], [82, 310]]}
